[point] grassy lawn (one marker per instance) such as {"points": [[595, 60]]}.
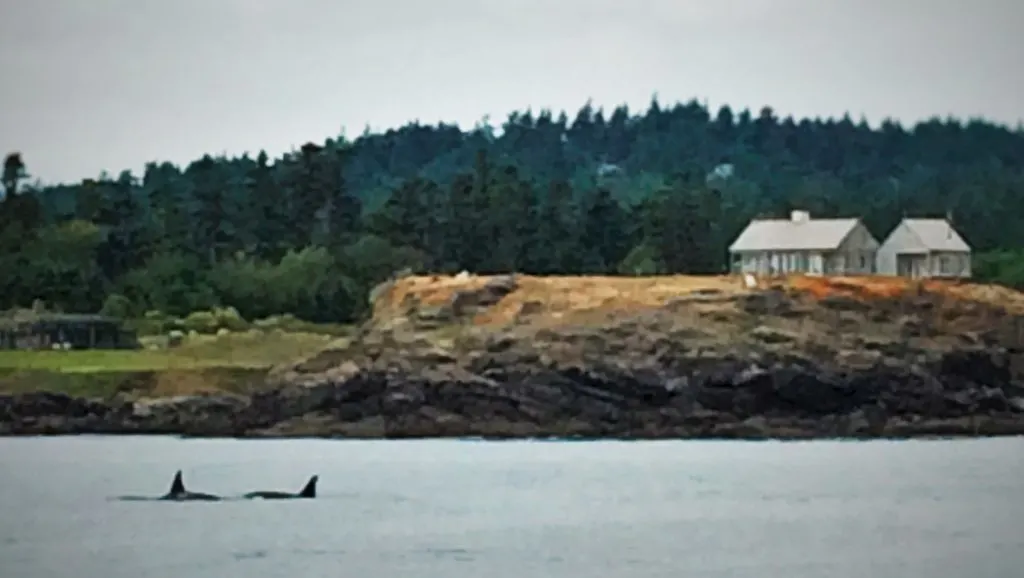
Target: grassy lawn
{"points": [[232, 362]]}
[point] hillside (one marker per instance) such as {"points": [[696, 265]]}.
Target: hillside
{"points": [[820, 318], [675, 356], [565, 300], [592, 192], [679, 356]]}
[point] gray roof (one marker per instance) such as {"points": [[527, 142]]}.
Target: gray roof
{"points": [[22, 318], [789, 235], [937, 235]]}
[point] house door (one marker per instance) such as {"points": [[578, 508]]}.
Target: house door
{"points": [[905, 265]]}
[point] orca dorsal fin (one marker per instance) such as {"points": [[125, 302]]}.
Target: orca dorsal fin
{"points": [[310, 490], [177, 486]]}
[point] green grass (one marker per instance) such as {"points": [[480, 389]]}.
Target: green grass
{"points": [[232, 362]]}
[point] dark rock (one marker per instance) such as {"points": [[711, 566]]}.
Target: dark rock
{"points": [[767, 302], [844, 303], [466, 301], [980, 366], [772, 336], [645, 377]]}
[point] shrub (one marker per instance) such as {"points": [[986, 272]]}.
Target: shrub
{"points": [[203, 322], [212, 321], [175, 338], [155, 323], [116, 305], [229, 318]]}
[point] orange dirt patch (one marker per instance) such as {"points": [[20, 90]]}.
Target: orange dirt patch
{"points": [[552, 297], [868, 287], [862, 287], [556, 298]]}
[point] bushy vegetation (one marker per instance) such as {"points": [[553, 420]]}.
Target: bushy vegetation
{"points": [[310, 233], [222, 320]]}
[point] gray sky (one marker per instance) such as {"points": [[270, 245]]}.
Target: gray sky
{"points": [[109, 84]]}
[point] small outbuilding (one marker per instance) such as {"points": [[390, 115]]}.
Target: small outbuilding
{"points": [[64, 331], [925, 248]]}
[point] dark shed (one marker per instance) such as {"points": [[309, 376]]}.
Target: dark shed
{"points": [[78, 331]]}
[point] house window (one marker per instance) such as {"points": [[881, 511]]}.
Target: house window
{"points": [[945, 265], [817, 263]]}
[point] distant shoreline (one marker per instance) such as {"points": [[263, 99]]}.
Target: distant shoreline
{"points": [[517, 357], [926, 437], [219, 417]]}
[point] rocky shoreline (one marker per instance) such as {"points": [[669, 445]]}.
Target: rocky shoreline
{"points": [[850, 372], [722, 400], [963, 393]]}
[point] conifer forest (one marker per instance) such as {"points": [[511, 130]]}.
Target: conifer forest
{"points": [[609, 192]]}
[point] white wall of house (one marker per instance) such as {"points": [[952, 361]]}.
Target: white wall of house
{"points": [[780, 262], [856, 255], [902, 241], [940, 264], [950, 264]]}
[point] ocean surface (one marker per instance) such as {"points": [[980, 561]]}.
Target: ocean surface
{"points": [[447, 509]]}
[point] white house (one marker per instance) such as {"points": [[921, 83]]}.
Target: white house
{"points": [[801, 244], [921, 248]]}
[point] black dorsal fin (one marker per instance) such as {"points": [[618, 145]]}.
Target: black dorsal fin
{"points": [[177, 486], [310, 490]]}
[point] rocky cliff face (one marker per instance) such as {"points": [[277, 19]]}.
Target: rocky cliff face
{"points": [[706, 362]]}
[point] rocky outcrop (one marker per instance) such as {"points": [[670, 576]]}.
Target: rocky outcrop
{"points": [[712, 398], [45, 413], [770, 364]]}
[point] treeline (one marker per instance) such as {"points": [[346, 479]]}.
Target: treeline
{"points": [[660, 192]]}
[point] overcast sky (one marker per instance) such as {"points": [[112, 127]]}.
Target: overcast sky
{"points": [[110, 84]]}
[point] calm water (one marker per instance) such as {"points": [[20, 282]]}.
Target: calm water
{"points": [[443, 509]]}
